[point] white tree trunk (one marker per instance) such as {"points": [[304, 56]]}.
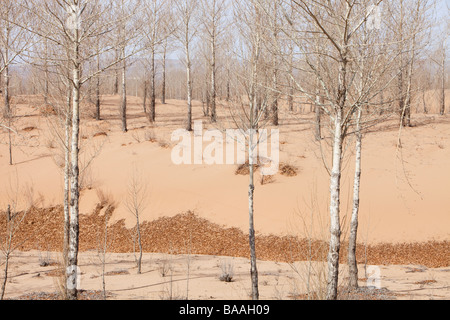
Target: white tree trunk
{"points": [[442, 109], [153, 89], [252, 240], [123, 106], [213, 77], [67, 174], [72, 268], [352, 263], [335, 182], [335, 229], [188, 85], [163, 85]]}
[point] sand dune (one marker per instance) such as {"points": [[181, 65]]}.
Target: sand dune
{"points": [[404, 192]]}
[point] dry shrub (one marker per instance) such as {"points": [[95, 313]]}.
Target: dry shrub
{"points": [[59, 278], [18, 100], [288, 170], [267, 179], [105, 198], [227, 268], [150, 136], [29, 129], [50, 143], [100, 134], [164, 145], [244, 169], [47, 111], [117, 273]]}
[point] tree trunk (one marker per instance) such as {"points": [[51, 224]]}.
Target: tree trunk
{"points": [[97, 87], [163, 85], [153, 89], [213, 78], [407, 107], [8, 251], [317, 124], [252, 240], [72, 268], [123, 107], [67, 171], [401, 101], [335, 232], [228, 86], [138, 229], [10, 140], [7, 111], [291, 97], [144, 98], [335, 182], [442, 109], [46, 80], [275, 119], [352, 263], [116, 76], [318, 112], [188, 86], [5, 277]]}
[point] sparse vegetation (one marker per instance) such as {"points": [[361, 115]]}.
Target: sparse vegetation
{"points": [[353, 95], [227, 269]]}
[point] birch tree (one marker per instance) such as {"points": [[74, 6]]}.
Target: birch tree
{"points": [[69, 26], [441, 63], [136, 204], [158, 29], [13, 218], [186, 33], [339, 27], [410, 25], [14, 42], [213, 23], [249, 104]]}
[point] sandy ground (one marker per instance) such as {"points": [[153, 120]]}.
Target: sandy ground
{"points": [[404, 192], [166, 277], [404, 197]]}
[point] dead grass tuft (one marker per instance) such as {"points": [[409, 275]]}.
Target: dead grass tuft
{"points": [[47, 111], [100, 134], [288, 170], [29, 129], [424, 282], [244, 169]]}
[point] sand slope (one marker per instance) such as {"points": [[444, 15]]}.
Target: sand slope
{"points": [[404, 191]]}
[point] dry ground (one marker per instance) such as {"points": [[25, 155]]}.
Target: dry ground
{"points": [[404, 217], [164, 276]]}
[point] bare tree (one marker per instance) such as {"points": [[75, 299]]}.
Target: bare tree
{"points": [[136, 204], [442, 70], [14, 42], [165, 47], [187, 30], [410, 25], [249, 104], [344, 58], [124, 11], [69, 26], [159, 28], [13, 220], [213, 20]]}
